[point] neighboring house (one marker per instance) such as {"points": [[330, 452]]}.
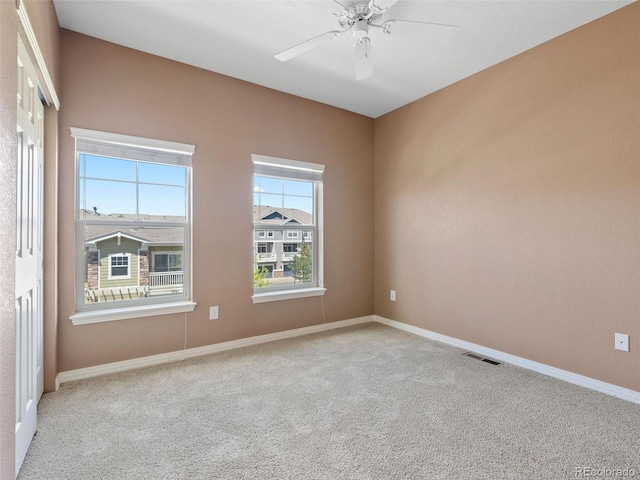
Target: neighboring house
{"points": [[135, 262], [275, 245]]}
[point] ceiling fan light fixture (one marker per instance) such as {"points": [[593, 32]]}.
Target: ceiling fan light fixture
{"points": [[364, 61], [360, 29]]}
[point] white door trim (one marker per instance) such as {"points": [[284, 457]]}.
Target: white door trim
{"points": [[31, 42]]}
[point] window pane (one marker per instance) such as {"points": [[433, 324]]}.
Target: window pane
{"points": [[303, 204], [297, 187], [107, 168], [115, 261], [161, 201], [120, 264], [160, 263], [119, 271], [107, 200], [267, 185], [163, 174], [268, 199], [175, 262]]}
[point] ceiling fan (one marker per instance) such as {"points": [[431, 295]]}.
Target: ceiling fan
{"points": [[358, 17]]}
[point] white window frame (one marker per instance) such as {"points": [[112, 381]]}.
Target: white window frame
{"points": [[296, 170], [128, 147], [110, 275], [293, 234]]}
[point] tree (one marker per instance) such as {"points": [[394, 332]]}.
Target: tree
{"points": [[302, 264], [260, 277]]}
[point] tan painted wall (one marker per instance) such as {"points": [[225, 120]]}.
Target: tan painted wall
{"points": [[115, 89], [507, 205]]}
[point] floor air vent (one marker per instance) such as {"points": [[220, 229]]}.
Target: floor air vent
{"points": [[478, 357]]}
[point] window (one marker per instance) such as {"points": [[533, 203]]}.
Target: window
{"points": [[167, 262], [133, 226], [288, 205], [119, 266], [290, 247]]}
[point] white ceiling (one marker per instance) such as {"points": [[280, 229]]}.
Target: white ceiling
{"points": [[239, 38]]}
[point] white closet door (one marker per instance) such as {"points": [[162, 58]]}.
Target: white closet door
{"points": [[29, 327]]}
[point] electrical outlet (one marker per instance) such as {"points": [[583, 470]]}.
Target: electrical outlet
{"points": [[213, 313], [622, 342], [392, 295]]}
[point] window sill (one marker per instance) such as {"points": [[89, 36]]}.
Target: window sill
{"points": [[287, 294], [111, 314]]}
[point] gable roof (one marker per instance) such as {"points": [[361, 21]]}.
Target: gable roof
{"points": [[140, 233], [113, 234], [265, 215]]}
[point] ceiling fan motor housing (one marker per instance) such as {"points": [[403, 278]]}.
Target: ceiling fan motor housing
{"points": [[361, 12]]}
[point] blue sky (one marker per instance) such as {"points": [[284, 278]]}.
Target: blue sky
{"points": [[276, 192], [110, 185]]}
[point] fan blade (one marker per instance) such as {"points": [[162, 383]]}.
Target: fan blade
{"points": [[305, 46], [385, 5], [364, 62], [436, 32]]}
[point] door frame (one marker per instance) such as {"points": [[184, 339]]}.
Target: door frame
{"points": [[48, 209]]}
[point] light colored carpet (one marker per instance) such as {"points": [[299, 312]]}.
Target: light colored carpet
{"points": [[365, 402]]}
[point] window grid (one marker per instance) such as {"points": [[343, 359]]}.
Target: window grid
{"points": [[135, 231], [290, 202]]}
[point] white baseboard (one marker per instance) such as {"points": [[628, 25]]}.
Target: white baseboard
{"points": [[81, 373], [576, 379], [581, 380]]}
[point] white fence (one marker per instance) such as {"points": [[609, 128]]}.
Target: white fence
{"points": [[166, 279]]}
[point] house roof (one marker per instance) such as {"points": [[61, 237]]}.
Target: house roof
{"points": [[113, 234], [265, 215], [262, 214], [151, 235]]}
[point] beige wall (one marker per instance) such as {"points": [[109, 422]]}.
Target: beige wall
{"points": [[507, 205], [115, 89]]}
